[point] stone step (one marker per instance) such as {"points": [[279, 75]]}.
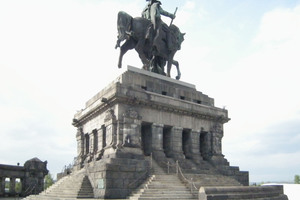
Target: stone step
{"points": [[151, 191], [234, 193], [71, 187], [164, 198]]}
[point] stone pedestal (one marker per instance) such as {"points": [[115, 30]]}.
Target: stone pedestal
{"points": [[139, 114]]}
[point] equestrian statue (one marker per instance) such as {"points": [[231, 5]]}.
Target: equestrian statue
{"points": [[155, 42]]}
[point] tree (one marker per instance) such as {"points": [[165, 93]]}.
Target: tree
{"points": [[48, 181], [297, 179]]}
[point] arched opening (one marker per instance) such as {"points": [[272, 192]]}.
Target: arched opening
{"points": [[7, 186], [18, 186]]}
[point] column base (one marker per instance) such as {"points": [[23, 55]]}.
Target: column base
{"points": [[177, 155], [218, 160], [158, 155], [197, 158], [125, 152]]}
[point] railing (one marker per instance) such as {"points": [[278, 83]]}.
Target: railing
{"points": [[180, 174], [191, 183], [146, 174], [30, 189]]}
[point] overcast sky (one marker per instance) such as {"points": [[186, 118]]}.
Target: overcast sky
{"points": [[56, 54]]}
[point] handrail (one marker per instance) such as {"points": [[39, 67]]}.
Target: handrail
{"points": [[139, 178], [190, 182], [30, 189]]}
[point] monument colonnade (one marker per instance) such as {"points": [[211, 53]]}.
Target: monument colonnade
{"points": [[159, 139]]}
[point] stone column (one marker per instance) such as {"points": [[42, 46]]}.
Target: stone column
{"points": [[12, 186], [80, 145], [176, 143], [195, 146], [23, 182], [157, 140], [2, 186], [91, 145], [131, 129], [217, 135]]}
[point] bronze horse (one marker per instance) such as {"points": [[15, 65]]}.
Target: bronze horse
{"points": [[154, 53]]}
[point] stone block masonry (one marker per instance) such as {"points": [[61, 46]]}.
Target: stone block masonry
{"points": [[142, 114]]}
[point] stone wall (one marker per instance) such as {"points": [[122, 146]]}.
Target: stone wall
{"points": [[31, 176]]}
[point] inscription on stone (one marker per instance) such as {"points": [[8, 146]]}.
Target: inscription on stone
{"points": [[101, 183]]}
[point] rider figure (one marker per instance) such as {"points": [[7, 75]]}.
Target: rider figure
{"points": [[153, 12]]}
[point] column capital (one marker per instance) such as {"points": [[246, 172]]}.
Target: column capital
{"points": [[158, 125], [175, 128], [196, 131]]}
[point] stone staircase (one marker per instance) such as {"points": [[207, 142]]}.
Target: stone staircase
{"points": [[76, 185], [162, 186], [213, 186]]}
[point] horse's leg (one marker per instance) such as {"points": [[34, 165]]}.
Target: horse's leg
{"points": [[169, 68], [129, 44], [140, 48], [170, 62], [118, 43], [174, 62]]}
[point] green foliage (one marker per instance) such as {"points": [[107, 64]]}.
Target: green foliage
{"points": [[48, 181], [297, 179], [18, 187], [7, 184]]}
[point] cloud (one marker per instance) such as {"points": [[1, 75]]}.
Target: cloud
{"points": [[280, 26], [263, 135]]}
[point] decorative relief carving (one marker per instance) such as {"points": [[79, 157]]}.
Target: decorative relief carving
{"points": [[217, 134], [131, 113], [79, 132], [109, 115], [217, 128]]}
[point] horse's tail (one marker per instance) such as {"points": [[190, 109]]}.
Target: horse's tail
{"points": [[124, 25]]}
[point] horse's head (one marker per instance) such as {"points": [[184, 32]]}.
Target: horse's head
{"points": [[180, 39], [177, 35], [124, 26]]}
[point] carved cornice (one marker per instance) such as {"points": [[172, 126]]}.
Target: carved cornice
{"points": [[119, 98]]}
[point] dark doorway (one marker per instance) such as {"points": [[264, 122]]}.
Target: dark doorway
{"points": [[103, 136], [87, 143], [95, 134], [204, 145], [186, 143], [146, 138], [167, 140]]}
